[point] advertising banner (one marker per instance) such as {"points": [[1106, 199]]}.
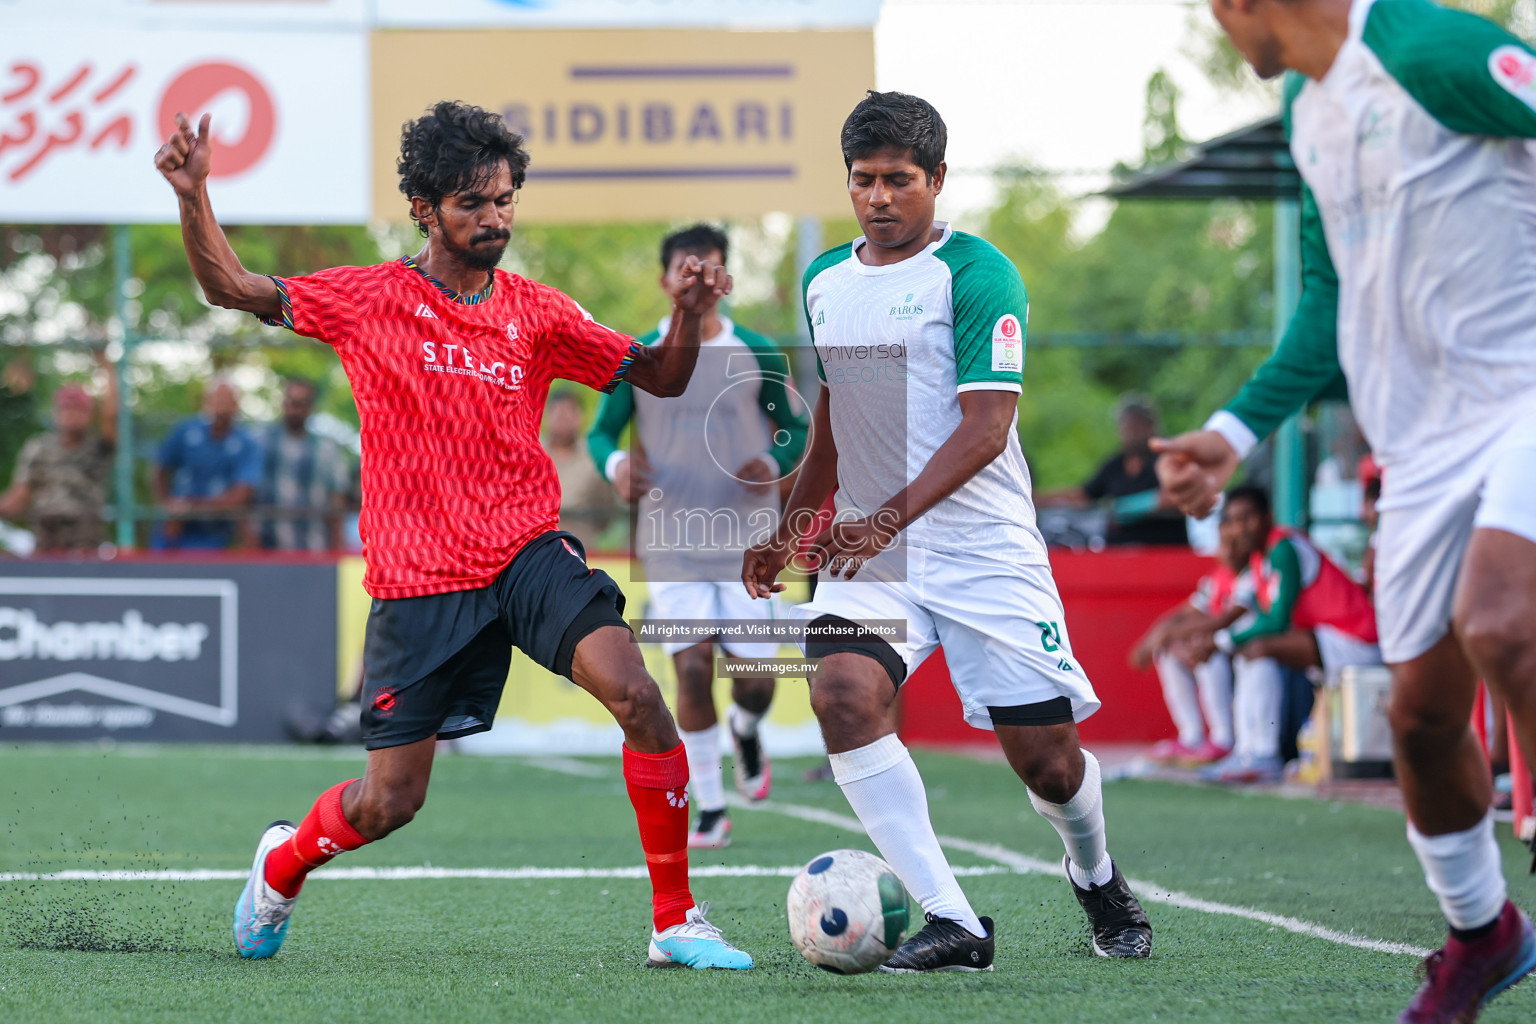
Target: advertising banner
{"points": [[163, 651], [642, 125], [82, 114], [630, 13], [185, 14], [757, 14]]}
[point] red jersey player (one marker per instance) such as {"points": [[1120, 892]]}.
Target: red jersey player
{"points": [[450, 362]]}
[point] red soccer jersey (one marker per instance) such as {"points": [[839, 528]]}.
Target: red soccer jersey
{"points": [[1328, 596], [450, 394]]}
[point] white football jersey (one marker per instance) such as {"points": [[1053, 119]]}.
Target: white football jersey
{"points": [[896, 346], [1419, 243]]}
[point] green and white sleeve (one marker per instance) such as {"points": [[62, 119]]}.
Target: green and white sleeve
{"points": [[831, 258], [1286, 568], [1468, 73], [1305, 364], [991, 309]]}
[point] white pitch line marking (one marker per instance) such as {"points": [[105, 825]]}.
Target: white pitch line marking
{"points": [[568, 766], [413, 873], [1149, 891]]}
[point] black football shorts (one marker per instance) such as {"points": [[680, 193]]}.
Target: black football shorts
{"points": [[436, 665]]}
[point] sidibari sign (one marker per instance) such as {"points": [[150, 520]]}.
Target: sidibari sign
{"points": [[171, 651], [640, 125]]}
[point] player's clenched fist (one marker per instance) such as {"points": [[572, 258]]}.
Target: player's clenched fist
{"points": [[185, 158], [702, 285]]}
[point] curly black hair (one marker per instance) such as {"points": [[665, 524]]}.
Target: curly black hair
{"points": [[456, 147], [898, 121]]}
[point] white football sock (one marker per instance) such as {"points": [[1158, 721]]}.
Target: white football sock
{"points": [[1183, 704], [703, 750], [1256, 706], [1464, 872], [1214, 679], [1080, 823], [743, 722], [886, 792]]}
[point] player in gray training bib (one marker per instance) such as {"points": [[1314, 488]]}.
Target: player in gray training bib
{"points": [[705, 470]]}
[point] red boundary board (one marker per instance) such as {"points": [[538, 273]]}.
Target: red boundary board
{"points": [[1110, 597]]}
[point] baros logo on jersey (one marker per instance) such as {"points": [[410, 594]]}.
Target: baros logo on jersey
{"points": [[1007, 345], [906, 309], [459, 360], [1515, 70]]}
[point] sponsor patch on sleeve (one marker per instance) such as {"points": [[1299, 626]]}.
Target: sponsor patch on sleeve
{"points": [[1007, 345], [1515, 70]]}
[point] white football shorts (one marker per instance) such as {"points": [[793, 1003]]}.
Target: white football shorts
{"points": [[1001, 626], [721, 602], [1422, 546]]}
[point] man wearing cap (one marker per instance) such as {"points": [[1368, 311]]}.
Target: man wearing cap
{"points": [[60, 484]]}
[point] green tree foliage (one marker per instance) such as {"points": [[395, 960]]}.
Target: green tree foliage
{"points": [[611, 269], [1157, 266], [1162, 142]]}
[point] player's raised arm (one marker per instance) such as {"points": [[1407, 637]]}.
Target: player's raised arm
{"points": [[665, 368], [184, 161]]}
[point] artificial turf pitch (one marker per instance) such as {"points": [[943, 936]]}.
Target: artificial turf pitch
{"points": [[573, 949]]}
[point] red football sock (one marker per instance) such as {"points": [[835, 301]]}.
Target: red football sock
{"points": [[658, 787], [322, 834]]}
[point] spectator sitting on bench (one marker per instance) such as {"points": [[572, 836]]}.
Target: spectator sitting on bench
{"points": [[1307, 614], [1196, 678]]}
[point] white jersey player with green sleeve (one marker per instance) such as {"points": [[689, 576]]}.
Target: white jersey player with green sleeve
{"points": [[897, 346], [1418, 150]]}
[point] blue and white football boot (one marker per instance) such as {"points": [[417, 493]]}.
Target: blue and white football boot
{"points": [[695, 943], [261, 915]]}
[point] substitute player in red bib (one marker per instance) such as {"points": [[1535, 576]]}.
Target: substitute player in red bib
{"points": [[450, 362]]}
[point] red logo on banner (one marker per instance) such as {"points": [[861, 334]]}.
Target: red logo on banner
{"points": [[192, 91]]}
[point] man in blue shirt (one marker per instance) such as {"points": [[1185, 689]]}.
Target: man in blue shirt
{"points": [[206, 463]]}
